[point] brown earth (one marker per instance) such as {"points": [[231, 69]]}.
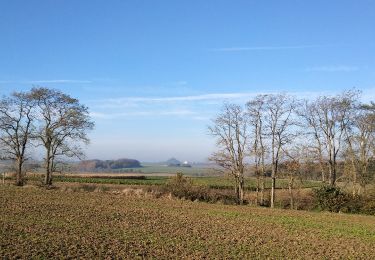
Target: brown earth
{"points": [[39, 223]]}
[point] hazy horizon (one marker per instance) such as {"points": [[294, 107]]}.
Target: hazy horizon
{"points": [[153, 73]]}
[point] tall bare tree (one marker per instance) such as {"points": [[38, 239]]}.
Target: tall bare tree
{"points": [[256, 112], [293, 168], [63, 125], [280, 109], [310, 123], [333, 114], [230, 130], [16, 126], [360, 141]]}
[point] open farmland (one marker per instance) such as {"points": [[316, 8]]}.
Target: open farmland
{"points": [[149, 168], [214, 182], [39, 223], [157, 168]]}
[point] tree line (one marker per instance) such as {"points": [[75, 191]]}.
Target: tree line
{"points": [[278, 132], [43, 119]]}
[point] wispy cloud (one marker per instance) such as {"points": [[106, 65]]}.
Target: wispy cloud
{"points": [[333, 68], [214, 96], [45, 81], [265, 48], [203, 99], [130, 101], [194, 107], [109, 115]]}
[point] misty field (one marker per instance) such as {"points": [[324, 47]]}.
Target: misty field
{"points": [[39, 223]]}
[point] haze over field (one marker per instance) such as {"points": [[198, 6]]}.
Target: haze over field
{"points": [[153, 73]]}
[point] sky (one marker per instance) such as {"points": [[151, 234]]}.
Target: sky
{"points": [[154, 73]]}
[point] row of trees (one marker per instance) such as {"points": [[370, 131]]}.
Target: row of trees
{"points": [[42, 118], [277, 130]]}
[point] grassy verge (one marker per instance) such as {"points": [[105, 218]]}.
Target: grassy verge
{"points": [[210, 182]]}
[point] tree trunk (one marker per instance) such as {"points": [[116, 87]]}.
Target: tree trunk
{"points": [[47, 179], [291, 196], [257, 190], [19, 177], [273, 191], [241, 188], [332, 172], [355, 182], [333, 179], [263, 173], [49, 165], [321, 163], [332, 161], [237, 191], [262, 191], [355, 178]]}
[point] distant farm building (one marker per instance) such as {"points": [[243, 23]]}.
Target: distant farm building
{"points": [[173, 162], [186, 164]]}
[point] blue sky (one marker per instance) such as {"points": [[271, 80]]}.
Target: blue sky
{"points": [[153, 73]]}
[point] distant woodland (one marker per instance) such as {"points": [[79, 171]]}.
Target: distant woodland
{"points": [[107, 165]]}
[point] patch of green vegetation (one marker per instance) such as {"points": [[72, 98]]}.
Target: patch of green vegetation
{"points": [[154, 168], [215, 182], [155, 180]]}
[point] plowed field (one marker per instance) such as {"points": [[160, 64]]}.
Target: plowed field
{"points": [[39, 223]]}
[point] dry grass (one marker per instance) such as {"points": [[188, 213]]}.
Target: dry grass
{"points": [[38, 223]]}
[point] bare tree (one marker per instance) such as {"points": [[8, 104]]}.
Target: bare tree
{"points": [[230, 129], [63, 125], [333, 119], [310, 122], [256, 112], [360, 141], [16, 126], [280, 109], [296, 158]]}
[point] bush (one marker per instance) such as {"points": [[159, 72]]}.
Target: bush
{"points": [[331, 198], [179, 186], [335, 200], [182, 187], [368, 206]]}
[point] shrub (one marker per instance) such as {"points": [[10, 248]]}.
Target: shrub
{"points": [[335, 200], [368, 205], [330, 198], [182, 187]]}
